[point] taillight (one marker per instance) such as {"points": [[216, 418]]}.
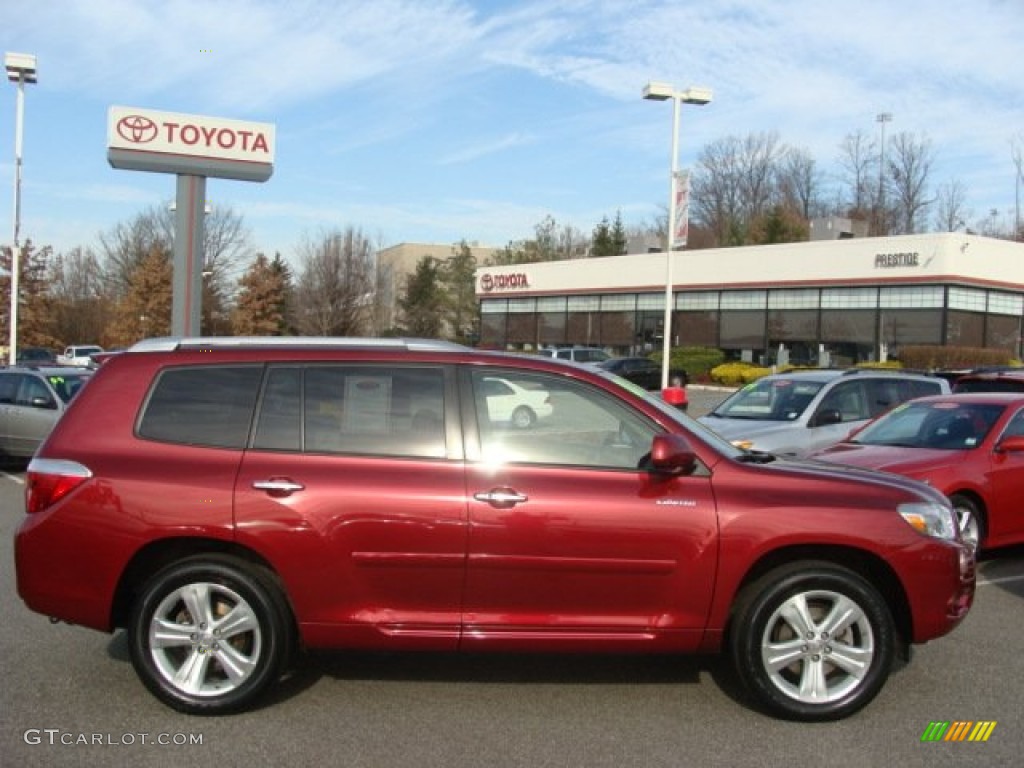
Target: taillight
{"points": [[49, 480]]}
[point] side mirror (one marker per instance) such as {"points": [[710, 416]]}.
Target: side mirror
{"points": [[826, 417], [43, 402], [672, 454], [1011, 444]]}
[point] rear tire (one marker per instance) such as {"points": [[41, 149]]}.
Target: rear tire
{"points": [[812, 641], [209, 634], [523, 417]]}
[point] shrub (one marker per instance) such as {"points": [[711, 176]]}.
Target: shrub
{"points": [[935, 357], [696, 361]]}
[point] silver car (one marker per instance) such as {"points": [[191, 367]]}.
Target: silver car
{"points": [[31, 401], [793, 414]]}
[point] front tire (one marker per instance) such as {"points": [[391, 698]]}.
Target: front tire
{"points": [[969, 519], [209, 634], [812, 641]]}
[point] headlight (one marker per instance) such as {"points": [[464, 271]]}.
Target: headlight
{"points": [[930, 519], [744, 444]]}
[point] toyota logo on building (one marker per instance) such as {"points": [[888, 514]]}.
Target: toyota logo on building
{"points": [[136, 129]]}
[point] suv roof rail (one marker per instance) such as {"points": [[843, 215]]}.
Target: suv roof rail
{"points": [[171, 343], [889, 371]]}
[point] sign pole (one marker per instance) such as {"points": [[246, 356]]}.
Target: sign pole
{"points": [[186, 305]]}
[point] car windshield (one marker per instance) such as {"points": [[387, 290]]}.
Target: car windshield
{"points": [[86, 351], [66, 385], [993, 384], [770, 399], [938, 425]]}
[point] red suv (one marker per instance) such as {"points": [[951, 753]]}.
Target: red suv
{"points": [[227, 501]]}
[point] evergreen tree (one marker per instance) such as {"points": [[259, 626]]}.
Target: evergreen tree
{"points": [[260, 308], [145, 308], [458, 274], [422, 304], [35, 305]]}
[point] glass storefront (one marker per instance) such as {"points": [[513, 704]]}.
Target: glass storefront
{"points": [[829, 326]]}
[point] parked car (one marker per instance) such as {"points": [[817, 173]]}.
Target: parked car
{"points": [[78, 355], [510, 402], [226, 501], [32, 399], [643, 372], [1002, 380], [797, 413], [36, 356], [576, 354], [968, 446]]}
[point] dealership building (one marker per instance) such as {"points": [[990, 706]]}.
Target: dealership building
{"points": [[826, 302]]}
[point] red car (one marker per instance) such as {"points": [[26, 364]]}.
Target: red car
{"points": [[968, 446], [225, 501]]}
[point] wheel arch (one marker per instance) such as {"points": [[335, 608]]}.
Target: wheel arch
{"points": [[157, 555], [865, 564]]}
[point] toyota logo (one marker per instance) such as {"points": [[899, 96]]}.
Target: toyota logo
{"points": [[136, 129], [487, 283]]}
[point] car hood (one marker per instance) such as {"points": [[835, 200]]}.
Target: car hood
{"points": [[890, 458], [747, 429], [828, 470]]}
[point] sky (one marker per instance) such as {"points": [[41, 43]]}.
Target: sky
{"points": [[421, 121]]}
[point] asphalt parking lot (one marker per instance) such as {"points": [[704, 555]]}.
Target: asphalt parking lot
{"points": [[70, 697]]}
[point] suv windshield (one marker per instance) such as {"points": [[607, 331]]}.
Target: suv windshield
{"points": [[770, 399]]}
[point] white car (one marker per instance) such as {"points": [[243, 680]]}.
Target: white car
{"points": [[512, 403], [78, 355]]}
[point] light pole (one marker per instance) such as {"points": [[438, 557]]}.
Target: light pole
{"points": [[882, 118], [663, 92], [21, 69]]}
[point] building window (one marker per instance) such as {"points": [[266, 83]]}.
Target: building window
{"points": [[913, 296], [965, 329], [584, 303], [618, 302], [744, 299], [697, 300], [970, 299], [849, 298], [793, 299], [1005, 304], [651, 301], [493, 306]]}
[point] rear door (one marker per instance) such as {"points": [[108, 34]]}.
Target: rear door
{"points": [[354, 488], [572, 544]]}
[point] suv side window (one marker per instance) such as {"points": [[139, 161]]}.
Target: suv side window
{"points": [[33, 392], [353, 409], [210, 405], [847, 397], [578, 427], [9, 386]]}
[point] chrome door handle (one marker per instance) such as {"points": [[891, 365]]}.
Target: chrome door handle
{"points": [[278, 486], [501, 497]]}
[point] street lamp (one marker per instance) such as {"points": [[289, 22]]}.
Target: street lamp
{"points": [[663, 92], [882, 118], [21, 69]]}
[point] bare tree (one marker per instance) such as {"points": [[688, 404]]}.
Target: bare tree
{"points": [[909, 166], [334, 291], [76, 285], [735, 183], [951, 213], [225, 247], [800, 183], [858, 157]]}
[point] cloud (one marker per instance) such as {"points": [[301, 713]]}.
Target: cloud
{"points": [[468, 154]]}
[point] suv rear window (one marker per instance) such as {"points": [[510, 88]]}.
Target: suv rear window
{"points": [[211, 405], [356, 409]]}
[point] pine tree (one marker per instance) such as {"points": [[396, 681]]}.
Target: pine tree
{"points": [[260, 309]]}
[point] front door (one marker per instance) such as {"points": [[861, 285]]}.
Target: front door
{"points": [[571, 543]]}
